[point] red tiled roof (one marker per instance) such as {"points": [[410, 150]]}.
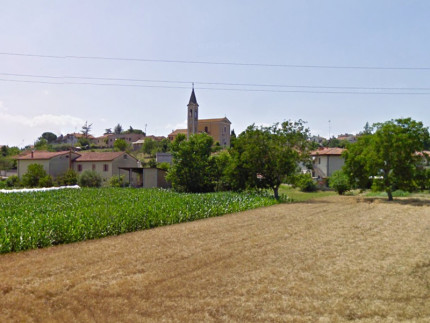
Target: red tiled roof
{"points": [[215, 120], [99, 156], [178, 131], [43, 155], [328, 151]]}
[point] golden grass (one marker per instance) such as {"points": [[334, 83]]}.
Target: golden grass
{"points": [[333, 259]]}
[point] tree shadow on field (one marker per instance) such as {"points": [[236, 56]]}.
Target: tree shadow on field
{"points": [[397, 200]]}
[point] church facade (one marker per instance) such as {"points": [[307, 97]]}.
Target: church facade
{"points": [[218, 128]]}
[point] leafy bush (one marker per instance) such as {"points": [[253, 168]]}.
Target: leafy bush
{"points": [[305, 183], [116, 181], [2, 184], [90, 178], [69, 178], [339, 181], [163, 166], [35, 173], [45, 181], [12, 181]]}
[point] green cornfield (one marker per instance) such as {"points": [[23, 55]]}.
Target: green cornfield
{"points": [[39, 219]]}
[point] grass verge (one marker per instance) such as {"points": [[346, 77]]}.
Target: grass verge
{"points": [[295, 195]]}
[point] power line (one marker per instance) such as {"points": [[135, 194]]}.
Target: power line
{"points": [[220, 83], [218, 89], [413, 68]]}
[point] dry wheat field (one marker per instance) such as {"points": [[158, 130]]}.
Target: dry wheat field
{"points": [[328, 260]]}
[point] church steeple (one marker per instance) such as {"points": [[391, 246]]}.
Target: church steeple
{"points": [[192, 115]]}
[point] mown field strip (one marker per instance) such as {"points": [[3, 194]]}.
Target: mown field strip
{"points": [[334, 259]]}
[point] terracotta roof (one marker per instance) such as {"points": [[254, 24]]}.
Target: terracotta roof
{"points": [[328, 151], [100, 156], [178, 131], [424, 152], [215, 120], [38, 154]]}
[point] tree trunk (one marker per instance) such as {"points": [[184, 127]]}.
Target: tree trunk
{"points": [[390, 195], [275, 192]]}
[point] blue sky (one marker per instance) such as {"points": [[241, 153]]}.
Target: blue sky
{"points": [[317, 33]]}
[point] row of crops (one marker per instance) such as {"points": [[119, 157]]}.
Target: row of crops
{"points": [[40, 219]]}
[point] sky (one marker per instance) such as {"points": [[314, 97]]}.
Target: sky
{"points": [[67, 62]]}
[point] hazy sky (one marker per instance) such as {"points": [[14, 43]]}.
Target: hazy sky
{"points": [[382, 34]]}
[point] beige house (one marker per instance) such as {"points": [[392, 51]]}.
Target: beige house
{"points": [[54, 163], [326, 161], [218, 129], [108, 140], [107, 164]]}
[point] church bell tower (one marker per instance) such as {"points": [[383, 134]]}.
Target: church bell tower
{"points": [[192, 115]]}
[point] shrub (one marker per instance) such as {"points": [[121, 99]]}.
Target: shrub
{"points": [[152, 163], [45, 181], [90, 178], [116, 181], [35, 172], [164, 166], [305, 183], [2, 184], [69, 178], [12, 181], [339, 181]]}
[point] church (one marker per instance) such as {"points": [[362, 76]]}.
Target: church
{"points": [[218, 129]]}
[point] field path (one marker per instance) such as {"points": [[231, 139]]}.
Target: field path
{"points": [[331, 259]]}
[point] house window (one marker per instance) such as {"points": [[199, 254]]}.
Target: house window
{"points": [[225, 129], [319, 160], [79, 168], [206, 129], [125, 156], [94, 167], [195, 114], [105, 167]]}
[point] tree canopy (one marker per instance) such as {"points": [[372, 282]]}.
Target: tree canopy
{"points": [[392, 155], [191, 169], [264, 157]]}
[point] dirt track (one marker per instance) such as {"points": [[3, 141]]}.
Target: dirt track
{"points": [[335, 259]]}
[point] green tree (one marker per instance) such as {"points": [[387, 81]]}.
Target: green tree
{"points": [[86, 129], [357, 166], [121, 145], [191, 171], [49, 136], [118, 129], [35, 176], [150, 147], [84, 142], [41, 144], [339, 181], [265, 157], [392, 154]]}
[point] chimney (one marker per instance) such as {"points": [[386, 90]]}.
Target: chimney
{"points": [[32, 154]]}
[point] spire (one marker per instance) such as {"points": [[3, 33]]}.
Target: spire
{"points": [[193, 97]]}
